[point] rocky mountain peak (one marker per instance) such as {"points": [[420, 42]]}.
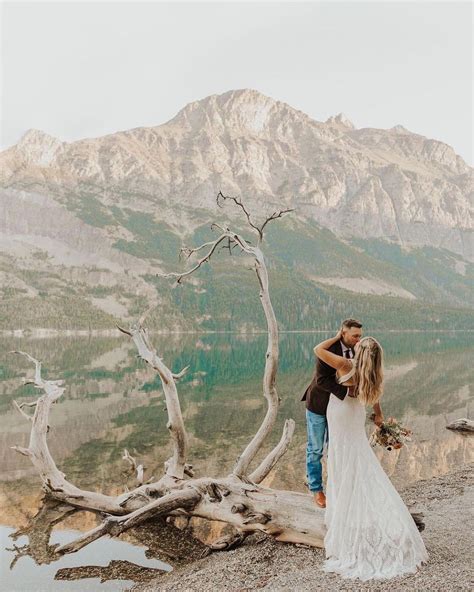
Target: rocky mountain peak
{"points": [[340, 120], [244, 110], [38, 147], [375, 183], [35, 136], [399, 129]]}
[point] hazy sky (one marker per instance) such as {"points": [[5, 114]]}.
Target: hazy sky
{"points": [[77, 70]]}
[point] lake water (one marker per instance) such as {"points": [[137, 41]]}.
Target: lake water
{"points": [[114, 401]]}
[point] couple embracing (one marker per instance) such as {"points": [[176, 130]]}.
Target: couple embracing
{"points": [[370, 532]]}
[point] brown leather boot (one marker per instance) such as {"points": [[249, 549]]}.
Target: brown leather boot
{"points": [[320, 499]]}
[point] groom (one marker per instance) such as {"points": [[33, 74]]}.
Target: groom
{"points": [[317, 396]]}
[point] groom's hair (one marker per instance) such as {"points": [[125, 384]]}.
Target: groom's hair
{"points": [[349, 323]]}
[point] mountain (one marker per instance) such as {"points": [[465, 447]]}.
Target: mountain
{"points": [[381, 217]]}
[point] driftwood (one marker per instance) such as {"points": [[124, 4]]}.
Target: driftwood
{"points": [[237, 499], [462, 425], [175, 545]]}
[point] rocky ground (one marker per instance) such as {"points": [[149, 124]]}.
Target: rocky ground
{"points": [[264, 564]]}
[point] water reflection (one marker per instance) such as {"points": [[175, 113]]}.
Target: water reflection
{"points": [[114, 401], [101, 561]]}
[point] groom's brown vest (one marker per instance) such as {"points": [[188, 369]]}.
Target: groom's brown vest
{"points": [[324, 383]]}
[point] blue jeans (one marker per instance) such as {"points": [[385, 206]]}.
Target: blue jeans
{"points": [[317, 435]]}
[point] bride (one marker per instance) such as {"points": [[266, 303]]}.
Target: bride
{"points": [[370, 532]]}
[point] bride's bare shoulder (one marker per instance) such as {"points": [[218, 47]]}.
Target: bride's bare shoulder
{"points": [[345, 369]]}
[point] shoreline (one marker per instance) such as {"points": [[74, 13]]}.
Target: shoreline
{"points": [[262, 563], [43, 333]]}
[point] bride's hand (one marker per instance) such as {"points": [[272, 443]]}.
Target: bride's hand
{"points": [[378, 420]]}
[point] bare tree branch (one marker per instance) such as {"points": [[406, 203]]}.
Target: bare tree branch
{"points": [[187, 251], [21, 450], [175, 424], [271, 368], [115, 525], [27, 404], [179, 375], [274, 216], [259, 229], [201, 261], [238, 202], [271, 358], [274, 456], [18, 407], [38, 452], [37, 378], [139, 469]]}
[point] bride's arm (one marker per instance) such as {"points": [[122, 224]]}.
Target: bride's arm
{"points": [[378, 419], [333, 360]]}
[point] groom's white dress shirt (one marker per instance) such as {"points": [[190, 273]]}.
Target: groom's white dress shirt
{"points": [[344, 349]]}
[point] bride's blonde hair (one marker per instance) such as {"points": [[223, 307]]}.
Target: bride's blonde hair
{"points": [[369, 370]]}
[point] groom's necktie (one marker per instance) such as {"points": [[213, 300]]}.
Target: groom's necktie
{"points": [[347, 354]]}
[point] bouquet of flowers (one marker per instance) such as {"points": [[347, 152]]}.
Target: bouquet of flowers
{"points": [[390, 435]]}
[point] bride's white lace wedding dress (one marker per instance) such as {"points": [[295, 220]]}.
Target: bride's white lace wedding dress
{"points": [[370, 532]]}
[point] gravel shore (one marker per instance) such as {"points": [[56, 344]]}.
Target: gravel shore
{"points": [[264, 564]]}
